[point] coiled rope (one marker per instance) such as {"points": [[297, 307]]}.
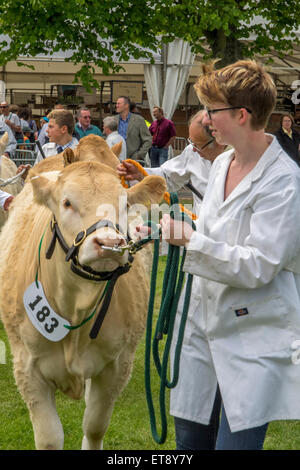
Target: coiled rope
{"points": [[12, 180], [172, 288]]}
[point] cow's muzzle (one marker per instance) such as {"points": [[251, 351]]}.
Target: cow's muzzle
{"points": [[72, 251]]}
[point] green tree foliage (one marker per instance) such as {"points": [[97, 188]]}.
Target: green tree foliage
{"points": [[226, 28], [215, 28], [38, 27]]}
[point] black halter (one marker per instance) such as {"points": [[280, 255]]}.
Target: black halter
{"points": [[72, 252], [85, 271]]}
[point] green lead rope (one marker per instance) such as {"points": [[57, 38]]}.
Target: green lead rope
{"points": [[172, 287]]}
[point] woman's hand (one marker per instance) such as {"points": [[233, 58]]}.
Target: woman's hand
{"points": [[176, 232]]}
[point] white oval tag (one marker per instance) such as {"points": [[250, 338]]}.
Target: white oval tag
{"points": [[41, 315]]}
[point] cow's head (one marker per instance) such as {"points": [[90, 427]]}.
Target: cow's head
{"points": [[88, 192]]}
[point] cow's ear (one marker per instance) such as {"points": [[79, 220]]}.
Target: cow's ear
{"points": [[42, 188], [69, 156], [116, 149], [149, 191]]}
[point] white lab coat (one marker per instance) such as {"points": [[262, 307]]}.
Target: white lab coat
{"points": [[3, 197], [188, 166], [244, 314]]}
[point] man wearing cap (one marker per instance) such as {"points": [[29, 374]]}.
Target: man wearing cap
{"points": [[43, 121]]}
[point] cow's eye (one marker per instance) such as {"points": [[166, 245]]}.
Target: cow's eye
{"points": [[66, 203]]}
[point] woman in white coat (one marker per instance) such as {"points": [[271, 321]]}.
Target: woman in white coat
{"points": [[244, 328]]}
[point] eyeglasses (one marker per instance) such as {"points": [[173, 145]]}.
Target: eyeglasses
{"points": [[210, 112], [203, 146], [3, 106]]}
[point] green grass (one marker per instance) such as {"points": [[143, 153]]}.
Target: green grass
{"points": [[130, 425]]}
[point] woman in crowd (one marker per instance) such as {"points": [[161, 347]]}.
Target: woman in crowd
{"points": [[289, 138]]}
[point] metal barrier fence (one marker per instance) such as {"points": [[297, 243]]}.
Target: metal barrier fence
{"points": [[25, 153], [24, 157], [179, 145]]}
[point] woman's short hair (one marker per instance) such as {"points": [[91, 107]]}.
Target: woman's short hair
{"points": [[244, 83]]}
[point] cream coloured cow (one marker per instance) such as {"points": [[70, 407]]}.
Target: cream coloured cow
{"points": [[57, 298], [8, 169]]}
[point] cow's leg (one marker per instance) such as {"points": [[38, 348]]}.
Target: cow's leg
{"points": [[40, 399], [48, 430], [101, 394]]}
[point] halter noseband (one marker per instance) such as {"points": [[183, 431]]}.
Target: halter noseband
{"points": [[85, 271], [72, 252]]}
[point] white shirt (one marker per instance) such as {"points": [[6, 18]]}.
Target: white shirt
{"points": [[3, 197], [244, 314], [11, 117], [12, 143], [114, 138], [50, 149]]}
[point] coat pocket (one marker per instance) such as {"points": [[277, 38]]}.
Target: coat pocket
{"points": [[263, 326]]}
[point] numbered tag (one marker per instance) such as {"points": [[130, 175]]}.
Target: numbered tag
{"points": [[41, 315]]}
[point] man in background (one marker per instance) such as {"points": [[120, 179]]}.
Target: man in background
{"points": [[84, 126], [133, 129], [12, 143], [191, 167], [60, 132], [10, 119], [43, 136], [163, 135], [110, 128]]}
